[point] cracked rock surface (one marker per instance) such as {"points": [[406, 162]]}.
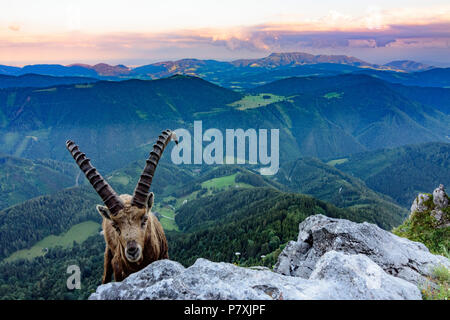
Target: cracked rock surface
{"points": [[396, 256], [331, 259], [338, 276]]}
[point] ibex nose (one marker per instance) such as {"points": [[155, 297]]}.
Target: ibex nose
{"points": [[132, 249], [131, 246]]}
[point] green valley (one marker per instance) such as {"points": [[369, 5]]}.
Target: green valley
{"points": [[78, 233]]}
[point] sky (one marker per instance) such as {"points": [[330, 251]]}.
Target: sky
{"points": [[138, 32]]}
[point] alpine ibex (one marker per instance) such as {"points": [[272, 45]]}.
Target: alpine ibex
{"points": [[134, 236]]}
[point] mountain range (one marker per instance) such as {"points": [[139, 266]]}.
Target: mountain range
{"points": [[317, 116], [246, 73]]}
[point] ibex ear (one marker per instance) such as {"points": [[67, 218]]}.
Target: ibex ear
{"points": [[150, 200], [104, 212]]}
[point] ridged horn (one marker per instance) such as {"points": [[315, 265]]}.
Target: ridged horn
{"points": [[143, 186], [104, 190]]}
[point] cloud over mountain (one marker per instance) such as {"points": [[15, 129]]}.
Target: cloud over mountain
{"points": [[334, 31]]}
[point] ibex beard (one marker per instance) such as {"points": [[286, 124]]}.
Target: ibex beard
{"points": [[134, 237]]}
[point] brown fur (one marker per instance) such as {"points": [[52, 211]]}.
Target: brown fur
{"points": [[150, 238]]}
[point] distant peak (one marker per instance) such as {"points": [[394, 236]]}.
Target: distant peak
{"points": [[104, 69], [408, 65], [182, 76], [80, 65], [276, 59]]}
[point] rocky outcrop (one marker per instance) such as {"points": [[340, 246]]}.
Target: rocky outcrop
{"points": [[337, 276], [441, 207], [440, 198], [436, 205], [396, 256], [331, 259], [419, 203]]}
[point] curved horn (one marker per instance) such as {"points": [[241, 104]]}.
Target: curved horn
{"points": [[143, 186], [104, 190]]}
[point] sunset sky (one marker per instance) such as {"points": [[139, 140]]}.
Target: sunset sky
{"points": [[137, 32]]}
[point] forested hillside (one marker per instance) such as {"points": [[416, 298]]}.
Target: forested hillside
{"points": [[402, 172], [168, 177], [313, 177], [23, 179], [40, 81], [253, 222], [24, 224], [117, 122], [45, 277]]}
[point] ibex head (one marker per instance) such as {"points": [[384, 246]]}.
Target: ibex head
{"points": [[127, 214], [130, 225]]}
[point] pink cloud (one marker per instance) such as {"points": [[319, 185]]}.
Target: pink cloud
{"points": [[235, 42], [14, 27]]}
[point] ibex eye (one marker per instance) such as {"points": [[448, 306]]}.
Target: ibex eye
{"points": [[115, 226], [144, 221]]}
